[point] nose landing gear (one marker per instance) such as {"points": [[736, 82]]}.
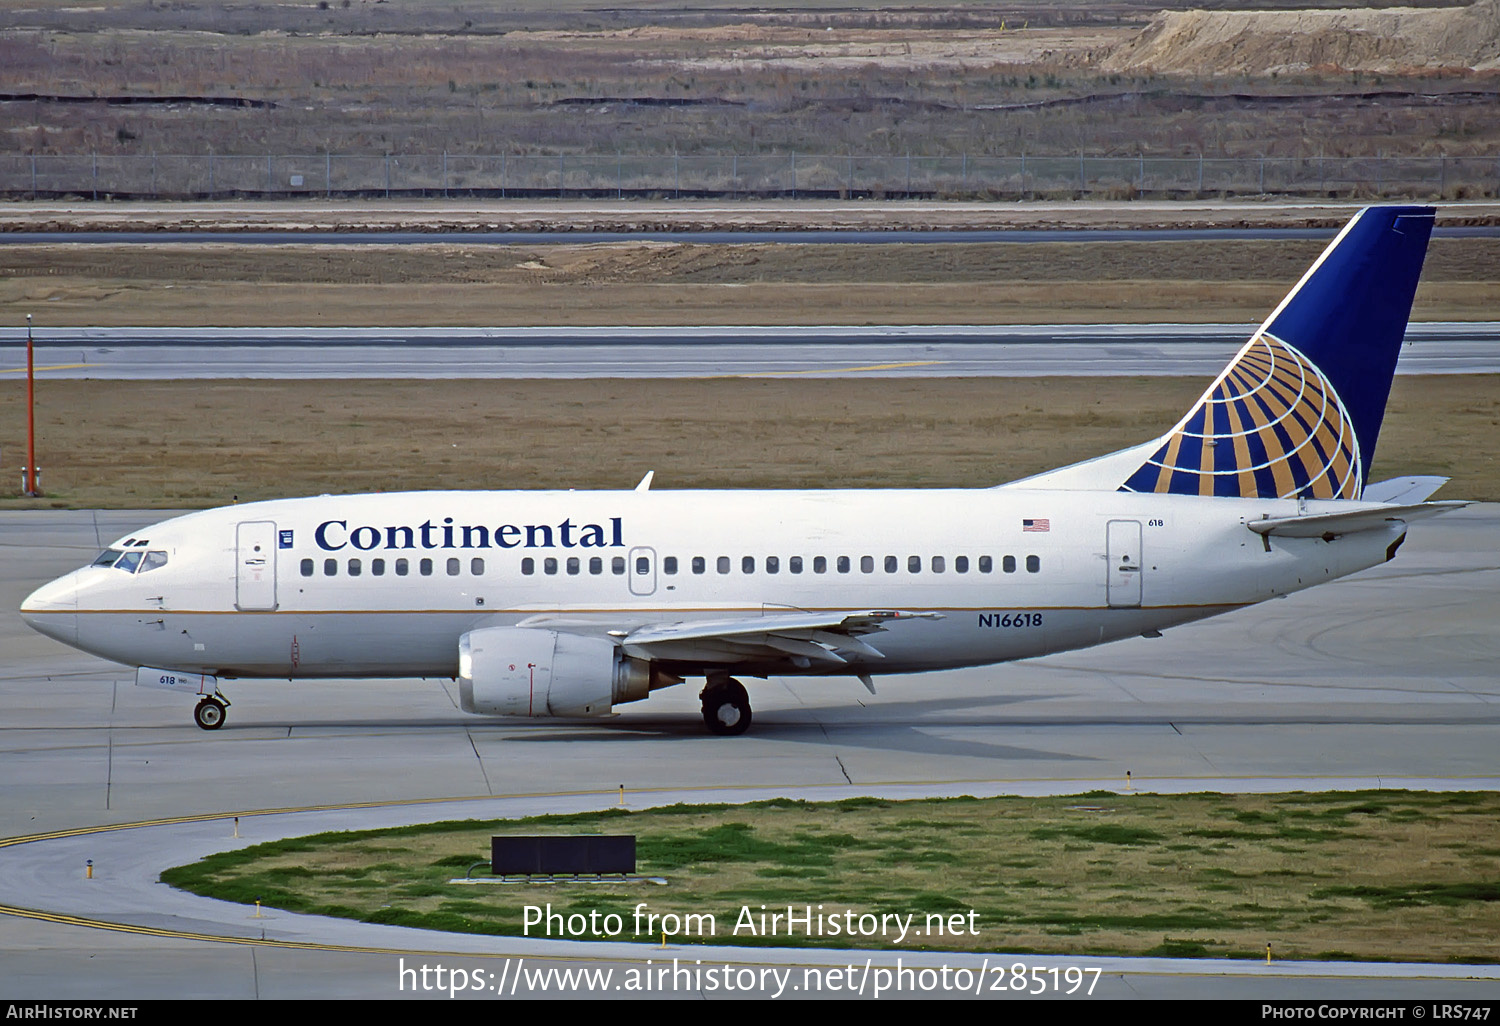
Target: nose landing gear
{"points": [[210, 712]]}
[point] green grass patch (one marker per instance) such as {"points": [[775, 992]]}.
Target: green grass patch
{"points": [[1149, 874]]}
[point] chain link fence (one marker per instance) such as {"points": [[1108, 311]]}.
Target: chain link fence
{"points": [[95, 176]]}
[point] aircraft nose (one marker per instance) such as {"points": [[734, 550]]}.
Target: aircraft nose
{"points": [[53, 609]]}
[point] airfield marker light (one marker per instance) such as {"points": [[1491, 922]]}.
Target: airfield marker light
{"points": [[1127, 780], [257, 910], [622, 794], [1268, 952], [236, 826], [89, 872]]}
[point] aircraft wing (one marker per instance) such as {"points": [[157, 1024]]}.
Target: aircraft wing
{"points": [[803, 639], [1330, 525]]}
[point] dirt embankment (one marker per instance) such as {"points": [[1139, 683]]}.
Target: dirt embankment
{"points": [[1395, 40]]}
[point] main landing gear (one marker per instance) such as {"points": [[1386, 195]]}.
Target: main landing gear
{"points": [[726, 706], [210, 712]]}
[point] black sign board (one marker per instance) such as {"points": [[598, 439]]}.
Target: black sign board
{"points": [[553, 854]]}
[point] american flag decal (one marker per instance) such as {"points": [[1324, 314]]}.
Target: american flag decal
{"points": [[1041, 524]]}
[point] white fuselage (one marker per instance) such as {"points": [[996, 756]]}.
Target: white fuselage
{"points": [[386, 584]]}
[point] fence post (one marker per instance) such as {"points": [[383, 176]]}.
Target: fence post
{"points": [[327, 174], [676, 176], [561, 173], [1083, 183], [153, 174], [619, 176], [387, 176], [908, 174], [1262, 174], [445, 174], [1200, 171], [1023, 174], [1442, 174], [268, 175], [794, 174], [33, 175], [502, 176], [96, 171], [965, 179]]}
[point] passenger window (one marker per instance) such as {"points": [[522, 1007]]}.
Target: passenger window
{"points": [[820, 564], [330, 567], [453, 566], [747, 564], [723, 565], [699, 564], [773, 565], [307, 568], [377, 568], [402, 567], [669, 565], [960, 564], [843, 564], [549, 565], [1033, 564], [574, 566], [617, 566], [867, 564], [913, 564], [528, 566], [642, 565], [891, 563], [129, 562], [1008, 564], [476, 567], [937, 564], [596, 565], [794, 564], [355, 568], [425, 568], [986, 564]]}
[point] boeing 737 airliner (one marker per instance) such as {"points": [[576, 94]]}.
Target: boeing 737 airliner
{"points": [[569, 603]]}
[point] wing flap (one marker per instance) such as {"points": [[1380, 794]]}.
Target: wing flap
{"points": [[830, 639]]}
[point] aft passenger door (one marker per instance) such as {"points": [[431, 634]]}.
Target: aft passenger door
{"points": [[255, 566], [1123, 557]]}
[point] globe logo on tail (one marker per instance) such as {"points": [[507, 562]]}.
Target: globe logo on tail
{"points": [[1272, 426]]}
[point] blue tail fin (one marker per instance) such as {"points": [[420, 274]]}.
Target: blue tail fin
{"points": [[1298, 411]]}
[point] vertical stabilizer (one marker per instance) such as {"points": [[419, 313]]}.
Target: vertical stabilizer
{"points": [[1298, 411]]}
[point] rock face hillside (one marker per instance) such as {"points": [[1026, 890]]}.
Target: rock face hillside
{"points": [[1394, 40]]}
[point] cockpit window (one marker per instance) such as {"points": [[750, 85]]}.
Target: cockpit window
{"points": [[106, 558], [153, 560], [129, 562]]}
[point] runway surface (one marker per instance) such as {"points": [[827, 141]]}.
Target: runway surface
{"points": [[826, 236], [1382, 680], [908, 351]]}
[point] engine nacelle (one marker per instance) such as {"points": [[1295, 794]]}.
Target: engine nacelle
{"points": [[529, 671]]}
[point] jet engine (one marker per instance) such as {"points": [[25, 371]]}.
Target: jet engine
{"points": [[530, 671]]}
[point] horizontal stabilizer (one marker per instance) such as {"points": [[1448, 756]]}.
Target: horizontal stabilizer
{"points": [[1403, 489], [1329, 526]]}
